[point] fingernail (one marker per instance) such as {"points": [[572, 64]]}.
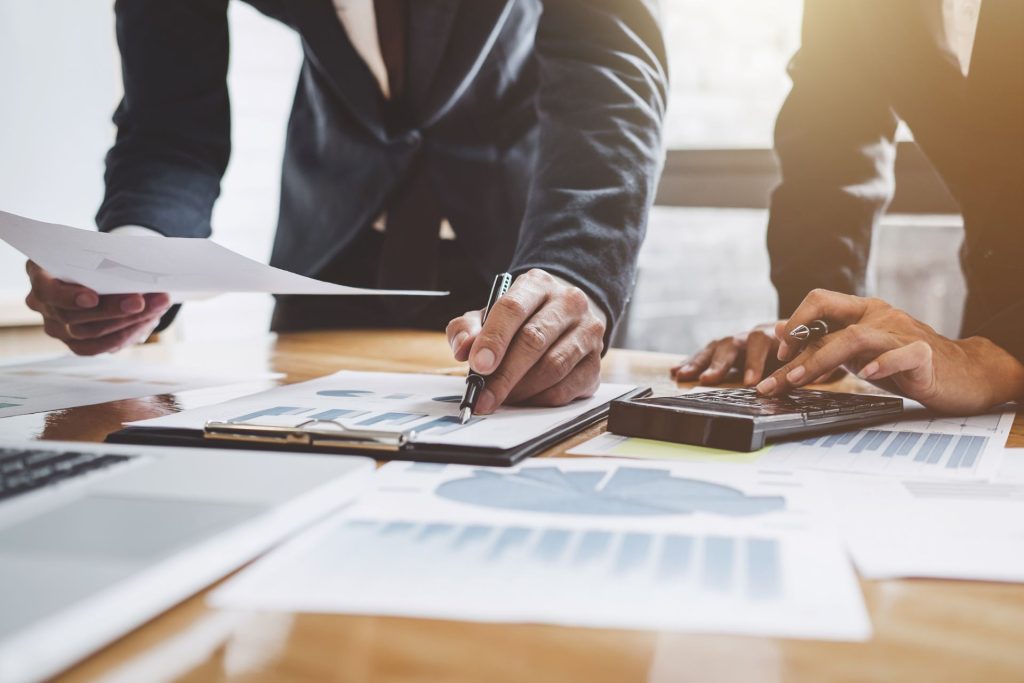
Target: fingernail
{"points": [[483, 361], [783, 351], [796, 374], [457, 342], [486, 402], [767, 386], [869, 370], [687, 367], [87, 300], [748, 377], [132, 305]]}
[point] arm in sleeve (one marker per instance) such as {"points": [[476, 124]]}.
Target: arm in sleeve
{"points": [[601, 103], [834, 139], [173, 123]]}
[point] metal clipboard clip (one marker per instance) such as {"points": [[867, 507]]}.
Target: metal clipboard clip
{"points": [[306, 431]]}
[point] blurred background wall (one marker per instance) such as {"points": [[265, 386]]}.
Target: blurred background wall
{"points": [[703, 268]]}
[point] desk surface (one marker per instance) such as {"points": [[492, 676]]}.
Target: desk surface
{"points": [[924, 630]]}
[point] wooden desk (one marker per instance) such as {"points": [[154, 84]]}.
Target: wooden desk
{"points": [[924, 630]]}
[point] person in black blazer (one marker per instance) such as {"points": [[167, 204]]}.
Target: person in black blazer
{"points": [[863, 66], [528, 130]]}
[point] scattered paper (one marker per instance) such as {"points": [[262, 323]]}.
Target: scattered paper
{"points": [[184, 267], [935, 529], [70, 381], [581, 542], [919, 446], [425, 404]]}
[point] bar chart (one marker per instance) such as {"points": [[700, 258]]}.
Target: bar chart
{"points": [[747, 567], [952, 453]]}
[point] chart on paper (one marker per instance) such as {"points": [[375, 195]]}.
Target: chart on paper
{"points": [[606, 543], [931, 447], [69, 381], [425, 406]]}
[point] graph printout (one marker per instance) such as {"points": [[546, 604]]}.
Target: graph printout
{"points": [[425, 404], [584, 542], [70, 381], [936, 529], [919, 446]]}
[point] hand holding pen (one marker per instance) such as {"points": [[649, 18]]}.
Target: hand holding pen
{"points": [[890, 348]]}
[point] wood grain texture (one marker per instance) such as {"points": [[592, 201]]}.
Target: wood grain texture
{"points": [[924, 630]]}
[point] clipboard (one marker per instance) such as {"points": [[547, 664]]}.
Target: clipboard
{"points": [[333, 438]]}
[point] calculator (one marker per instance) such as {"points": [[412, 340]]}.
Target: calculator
{"points": [[743, 420]]}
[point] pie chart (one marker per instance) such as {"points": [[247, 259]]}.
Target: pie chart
{"points": [[628, 491]]}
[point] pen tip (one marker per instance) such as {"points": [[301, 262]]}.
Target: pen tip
{"points": [[800, 332], [464, 415]]}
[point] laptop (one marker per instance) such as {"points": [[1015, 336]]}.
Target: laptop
{"points": [[97, 539]]}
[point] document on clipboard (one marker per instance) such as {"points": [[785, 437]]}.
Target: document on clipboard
{"points": [[397, 416]]}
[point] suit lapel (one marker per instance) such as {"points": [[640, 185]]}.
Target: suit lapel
{"points": [[332, 53], [430, 25], [449, 40]]}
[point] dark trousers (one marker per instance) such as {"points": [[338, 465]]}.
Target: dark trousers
{"points": [[357, 266]]}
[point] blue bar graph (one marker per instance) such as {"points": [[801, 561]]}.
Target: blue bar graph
{"points": [[940, 447], [908, 444], [592, 547], [391, 418], [267, 412], [676, 556], [335, 413], [896, 444], [444, 425], [749, 568], [633, 552], [978, 443], [510, 538], [926, 448], [962, 445], [552, 544], [764, 569], [719, 563]]}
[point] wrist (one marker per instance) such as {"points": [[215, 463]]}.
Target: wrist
{"points": [[1001, 374]]}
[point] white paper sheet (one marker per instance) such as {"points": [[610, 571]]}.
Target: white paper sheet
{"points": [[919, 446], [582, 542], [426, 404], [186, 268], [935, 529], [70, 381]]}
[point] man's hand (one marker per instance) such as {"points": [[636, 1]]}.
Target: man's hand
{"points": [[541, 344], [87, 322], [749, 351], [893, 350]]}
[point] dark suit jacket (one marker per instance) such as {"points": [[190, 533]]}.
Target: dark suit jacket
{"points": [[863, 65], [539, 122]]}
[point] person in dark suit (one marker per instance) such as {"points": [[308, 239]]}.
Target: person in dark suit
{"points": [[863, 66], [432, 143]]}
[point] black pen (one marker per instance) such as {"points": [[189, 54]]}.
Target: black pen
{"points": [[813, 331], [474, 380]]}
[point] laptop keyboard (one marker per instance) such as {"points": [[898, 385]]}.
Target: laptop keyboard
{"points": [[24, 470]]}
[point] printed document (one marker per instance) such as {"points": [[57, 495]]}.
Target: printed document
{"points": [[582, 542]]}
